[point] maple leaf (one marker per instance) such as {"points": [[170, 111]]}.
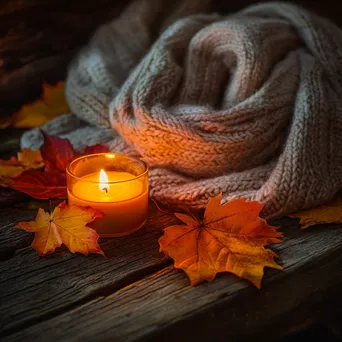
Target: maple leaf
{"points": [[329, 213], [231, 238], [57, 152], [27, 159], [30, 159], [67, 224], [9, 169], [51, 105], [40, 185]]}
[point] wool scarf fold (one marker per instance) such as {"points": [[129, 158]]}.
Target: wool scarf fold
{"points": [[248, 104]]}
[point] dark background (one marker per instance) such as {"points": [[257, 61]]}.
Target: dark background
{"points": [[39, 37]]}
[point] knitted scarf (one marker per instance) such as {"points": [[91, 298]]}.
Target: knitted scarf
{"points": [[248, 104]]}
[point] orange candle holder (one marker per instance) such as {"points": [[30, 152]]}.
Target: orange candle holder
{"points": [[114, 184]]}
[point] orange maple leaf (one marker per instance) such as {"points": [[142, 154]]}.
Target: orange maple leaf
{"points": [[231, 238], [30, 159], [67, 224], [51, 104], [12, 168], [328, 213]]}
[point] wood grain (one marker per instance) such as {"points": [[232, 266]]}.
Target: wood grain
{"points": [[133, 296], [38, 39], [32, 288]]}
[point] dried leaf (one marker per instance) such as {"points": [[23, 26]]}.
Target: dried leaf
{"points": [[51, 105], [231, 238], [57, 153], [41, 185], [330, 213], [9, 169], [27, 159], [67, 224], [30, 159]]}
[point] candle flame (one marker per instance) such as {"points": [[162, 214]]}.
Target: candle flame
{"points": [[103, 181]]}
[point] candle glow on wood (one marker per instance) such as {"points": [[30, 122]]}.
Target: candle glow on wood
{"points": [[120, 195]]}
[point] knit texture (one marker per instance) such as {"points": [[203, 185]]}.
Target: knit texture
{"points": [[248, 104]]}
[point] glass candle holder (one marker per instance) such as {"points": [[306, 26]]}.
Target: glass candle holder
{"points": [[114, 184]]}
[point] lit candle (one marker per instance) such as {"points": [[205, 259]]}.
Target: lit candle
{"points": [[115, 184]]}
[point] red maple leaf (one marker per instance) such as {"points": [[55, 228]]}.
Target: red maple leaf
{"points": [[41, 185], [57, 153]]}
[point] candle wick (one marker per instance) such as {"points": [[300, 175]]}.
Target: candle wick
{"points": [[105, 189]]}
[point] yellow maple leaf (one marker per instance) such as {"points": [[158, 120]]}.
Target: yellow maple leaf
{"points": [[50, 105], [329, 213], [30, 159], [9, 169], [231, 238], [12, 168], [67, 224]]}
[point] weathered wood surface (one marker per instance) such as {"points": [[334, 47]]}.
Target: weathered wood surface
{"points": [[135, 294], [38, 38]]}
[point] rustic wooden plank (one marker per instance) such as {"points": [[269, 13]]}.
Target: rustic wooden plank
{"points": [[165, 303], [32, 288], [9, 197], [39, 38], [11, 239]]}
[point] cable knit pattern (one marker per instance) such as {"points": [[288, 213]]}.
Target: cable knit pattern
{"points": [[248, 104]]}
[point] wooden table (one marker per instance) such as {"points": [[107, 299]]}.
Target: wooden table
{"points": [[136, 294]]}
